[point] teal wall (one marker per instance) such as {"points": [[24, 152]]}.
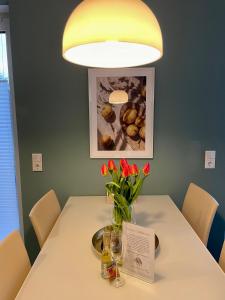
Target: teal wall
{"points": [[52, 106]]}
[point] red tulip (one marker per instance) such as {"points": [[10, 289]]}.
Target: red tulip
{"points": [[123, 163], [146, 169], [130, 169], [104, 170], [125, 171], [112, 166], [134, 169]]}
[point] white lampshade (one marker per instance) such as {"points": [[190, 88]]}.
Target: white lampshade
{"points": [[112, 34], [118, 97]]}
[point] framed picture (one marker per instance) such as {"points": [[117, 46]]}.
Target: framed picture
{"points": [[121, 130]]}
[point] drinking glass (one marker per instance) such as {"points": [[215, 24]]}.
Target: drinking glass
{"points": [[116, 251]]}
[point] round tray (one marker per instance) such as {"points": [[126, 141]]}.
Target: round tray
{"points": [[98, 244]]}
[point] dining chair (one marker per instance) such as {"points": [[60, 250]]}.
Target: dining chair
{"points": [[44, 214], [199, 209], [14, 265], [222, 258]]}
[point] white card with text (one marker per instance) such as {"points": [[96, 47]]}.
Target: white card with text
{"points": [[138, 251]]}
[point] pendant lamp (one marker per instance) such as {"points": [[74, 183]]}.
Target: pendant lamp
{"points": [[112, 34]]}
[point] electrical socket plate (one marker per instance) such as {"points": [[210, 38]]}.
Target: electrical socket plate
{"points": [[210, 159], [37, 162]]}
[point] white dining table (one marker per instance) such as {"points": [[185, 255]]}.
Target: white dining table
{"points": [[67, 268]]}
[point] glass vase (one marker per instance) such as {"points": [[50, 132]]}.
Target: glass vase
{"points": [[120, 214]]}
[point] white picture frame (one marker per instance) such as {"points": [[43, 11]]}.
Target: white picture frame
{"points": [[110, 136]]}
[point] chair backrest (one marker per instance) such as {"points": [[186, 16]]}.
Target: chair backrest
{"points": [[44, 215], [199, 209], [14, 265], [222, 258]]}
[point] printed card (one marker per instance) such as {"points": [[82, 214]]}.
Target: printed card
{"points": [[138, 251]]}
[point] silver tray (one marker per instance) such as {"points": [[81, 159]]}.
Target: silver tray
{"points": [[97, 240]]}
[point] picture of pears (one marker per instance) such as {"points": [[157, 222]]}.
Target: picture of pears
{"points": [[140, 122], [132, 130], [107, 111], [107, 141], [142, 132], [130, 116]]}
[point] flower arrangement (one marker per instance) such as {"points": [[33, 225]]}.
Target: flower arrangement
{"points": [[124, 188]]}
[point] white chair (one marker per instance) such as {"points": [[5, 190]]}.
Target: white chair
{"points": [[199, 209], [222, 258], [14, 265], [44, 215]]}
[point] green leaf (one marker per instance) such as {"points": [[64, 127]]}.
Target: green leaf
{"points": [[137, 188], [112, 183], [121, 202]]}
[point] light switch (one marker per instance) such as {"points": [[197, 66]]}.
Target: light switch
{"points": [[37, 162], [210, 159]]}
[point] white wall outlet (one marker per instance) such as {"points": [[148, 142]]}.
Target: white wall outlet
{"points": [[37, 162], [210, 159]]}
